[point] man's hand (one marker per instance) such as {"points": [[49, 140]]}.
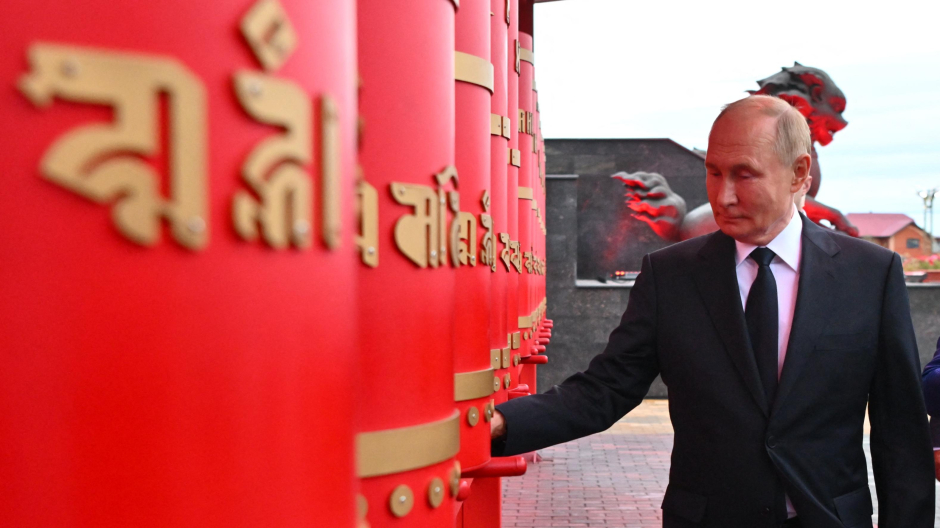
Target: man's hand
{"points": [[497, 425], [936, 463]]}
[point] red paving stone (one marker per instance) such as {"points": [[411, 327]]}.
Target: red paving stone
{"points": [[615, 478]]}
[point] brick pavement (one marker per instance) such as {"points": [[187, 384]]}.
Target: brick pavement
{"points": [[615, 478]]}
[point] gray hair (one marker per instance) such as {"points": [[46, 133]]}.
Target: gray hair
{"points": [[792, 134]]}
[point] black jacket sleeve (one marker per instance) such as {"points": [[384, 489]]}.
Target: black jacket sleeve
{"points": [[591, 401], [932, 384], [902, 460]]}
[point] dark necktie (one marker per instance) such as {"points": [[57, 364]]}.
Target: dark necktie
{"points": [[761, 316]]}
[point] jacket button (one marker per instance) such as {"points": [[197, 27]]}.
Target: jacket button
{"points": [[766, 511], [771, 442]]}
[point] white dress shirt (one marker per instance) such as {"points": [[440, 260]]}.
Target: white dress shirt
{"points": [[786, 269]]}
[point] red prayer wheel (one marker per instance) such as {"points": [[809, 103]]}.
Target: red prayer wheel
{"points": [[178, 188], [510, 248], [501, 134], [527, 147], [473, 378], [410, 427]]}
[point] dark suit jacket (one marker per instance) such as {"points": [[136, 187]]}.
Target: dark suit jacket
{"points": [[932, 395], [735, 454]]}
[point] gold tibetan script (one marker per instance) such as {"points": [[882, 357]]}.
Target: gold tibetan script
{"points": [[510, 254], [466, 239], [102, 162], [488, 243], [422, 236], [282, 200], [274, 169], [367, 201]]}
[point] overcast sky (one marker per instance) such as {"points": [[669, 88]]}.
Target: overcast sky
{"points": [[649, 69]]}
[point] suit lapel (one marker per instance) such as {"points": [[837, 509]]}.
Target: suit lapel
{"points": [[717, 284], [815, 300]]}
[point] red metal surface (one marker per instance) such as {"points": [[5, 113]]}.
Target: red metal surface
{"points": [[406, 62], [471, 324], [161, 386]]}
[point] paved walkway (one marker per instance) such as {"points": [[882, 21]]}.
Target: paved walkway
{"points": [[615, 478]]}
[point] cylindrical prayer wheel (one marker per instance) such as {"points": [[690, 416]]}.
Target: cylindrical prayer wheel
{"points": [[500, 142], [473, 227], [527, 180], [509, 245], [410, 427], [528, 205], [177, 203]]}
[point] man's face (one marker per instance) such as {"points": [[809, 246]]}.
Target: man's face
{"points": [[749, 189]]}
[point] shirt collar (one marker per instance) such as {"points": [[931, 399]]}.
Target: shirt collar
{"points": [[786, 245]]}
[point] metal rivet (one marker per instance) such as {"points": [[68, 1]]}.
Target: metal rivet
{"points": [[301, 227], [401, 501], [436, 492], [496, 384], [473, 259], [370, 250], [455, 479], [196, 224], [506, 381], [433, 254], [442, 200], [362, 505], [70, 68], [473, 416], [254, 88]]}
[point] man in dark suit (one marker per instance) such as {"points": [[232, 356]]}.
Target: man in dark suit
{"points": [[772, 335]]}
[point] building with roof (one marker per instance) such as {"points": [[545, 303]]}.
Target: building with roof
{"points": [[897, 232]]}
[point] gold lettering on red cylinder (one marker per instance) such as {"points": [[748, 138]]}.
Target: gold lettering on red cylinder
{"points": [[330, 173], [422, 235], [281, 201], [102, 162], [367, 202], [528, 261], [269, 33], [466, 250], [516, 257], [488, 243], [506, 254], [274, 170]]}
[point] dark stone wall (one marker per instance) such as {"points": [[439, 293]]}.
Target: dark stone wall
{"points": [[584, 316]]}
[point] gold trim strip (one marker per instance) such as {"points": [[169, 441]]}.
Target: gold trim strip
{"points": [[496, 125], [507, 127], [515, 158], [407, 448], [525, 321], [473, 385], [527, 55], [472, 69], [525, 193]]}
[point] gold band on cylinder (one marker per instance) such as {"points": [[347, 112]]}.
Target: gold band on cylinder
{"points": [[472, 69], [473, 385], [407, 448]]}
